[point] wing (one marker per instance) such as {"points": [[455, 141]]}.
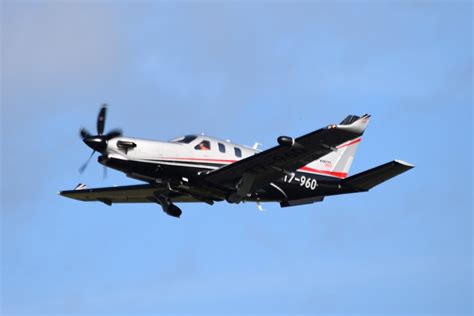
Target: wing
{"points": [[126, 194], [368, 179], [250, 174]]}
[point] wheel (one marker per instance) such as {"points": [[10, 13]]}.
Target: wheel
{"points": [[173, 210]]}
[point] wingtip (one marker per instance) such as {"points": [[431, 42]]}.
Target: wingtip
{"points": [[355, 124], [405, 163]]}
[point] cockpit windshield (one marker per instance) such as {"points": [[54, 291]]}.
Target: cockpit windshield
{"points": [[184, 139]]}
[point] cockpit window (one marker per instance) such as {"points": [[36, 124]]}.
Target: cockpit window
{"points": [[204, 145], [185, 139]]}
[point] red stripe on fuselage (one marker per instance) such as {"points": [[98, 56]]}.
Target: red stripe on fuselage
{"points": [[200, 159], [305, 168], [341, 175]]}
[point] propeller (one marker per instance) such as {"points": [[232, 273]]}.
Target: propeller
{"points": [[84, 166], [98, 142]]}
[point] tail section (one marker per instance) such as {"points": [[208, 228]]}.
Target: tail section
{"points": [[338, 162]]}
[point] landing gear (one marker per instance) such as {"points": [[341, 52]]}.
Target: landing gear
{"points": [[168, 206], [172, 210], [233, 198]]}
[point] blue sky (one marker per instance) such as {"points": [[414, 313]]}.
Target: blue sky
{"points": [[246, 71]]}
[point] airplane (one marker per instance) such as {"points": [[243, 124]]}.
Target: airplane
{"points": [[200, 168]]}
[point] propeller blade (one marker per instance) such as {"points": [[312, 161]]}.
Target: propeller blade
{"points": [[104, 172], [113, 133], [84, 166], [84, 133], [101, 119]]}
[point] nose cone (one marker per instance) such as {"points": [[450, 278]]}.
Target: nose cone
{"points": [[97, 143]]}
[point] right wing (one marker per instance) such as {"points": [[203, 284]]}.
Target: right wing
{"points": [[250, 174]]}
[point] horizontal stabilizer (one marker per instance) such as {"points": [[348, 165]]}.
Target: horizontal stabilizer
{"points": [[366, 180]]}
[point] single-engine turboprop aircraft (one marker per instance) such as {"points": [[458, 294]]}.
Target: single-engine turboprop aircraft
{"points": [[198, 168]]}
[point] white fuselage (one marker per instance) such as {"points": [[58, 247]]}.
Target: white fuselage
{"points": [[175, 153]]}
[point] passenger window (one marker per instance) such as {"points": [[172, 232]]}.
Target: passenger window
{"points": [[221, 148], [204, 145], [238, 152]]}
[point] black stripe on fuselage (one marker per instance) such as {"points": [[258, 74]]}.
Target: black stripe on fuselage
{"points": [[326, 185]]}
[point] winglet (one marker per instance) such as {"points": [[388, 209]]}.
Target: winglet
{"points": [[355, 124], [409, 165]]}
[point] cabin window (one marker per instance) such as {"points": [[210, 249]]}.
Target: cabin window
{"points": [[221, 147], [237, 152], [204, 145], [185, 139]]}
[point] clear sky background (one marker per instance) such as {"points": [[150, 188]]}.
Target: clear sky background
{"points": [[246, 71]]}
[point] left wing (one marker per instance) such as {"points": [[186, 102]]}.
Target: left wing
{"points": [[368, 179], [250, 174], [142, 193]]}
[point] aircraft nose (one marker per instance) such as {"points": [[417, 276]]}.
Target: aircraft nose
{"points": [[96, 143]]}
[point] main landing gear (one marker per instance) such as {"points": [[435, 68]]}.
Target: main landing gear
{"points": [[168, 206], [172, 210]]}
